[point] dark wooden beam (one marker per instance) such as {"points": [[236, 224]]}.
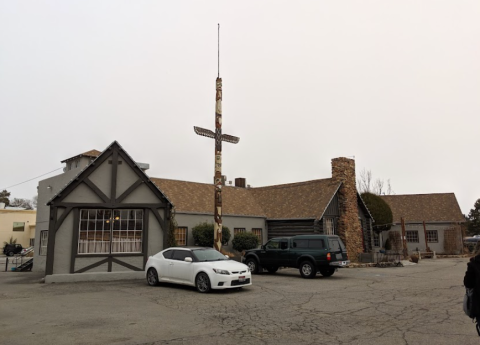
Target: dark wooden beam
{"points": [[75, 231], [62, 218], [51, 241], [129, 190], [124, 264], [113, 193], [110, 205], [146, 229], [159, 218], [96, 190], [89, 267]]}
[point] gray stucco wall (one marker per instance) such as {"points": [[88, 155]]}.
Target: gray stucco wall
{"points": [[191, 220], [437, 247], [56, 183]]}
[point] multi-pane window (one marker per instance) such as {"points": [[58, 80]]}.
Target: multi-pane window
{"points": [[258, 232], [329, 226], [181, 235], [412, 236], [43, 242], [110, 231], [238, 230], [18, 226], [432, 236], [376, 239]]}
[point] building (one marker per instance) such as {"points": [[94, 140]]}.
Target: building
{"points": [[17, 224], [81, 237], [103, 223], [330, 206], [431, 220]]}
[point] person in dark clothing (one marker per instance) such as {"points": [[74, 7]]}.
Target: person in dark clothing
{"points": [[472, 276]]}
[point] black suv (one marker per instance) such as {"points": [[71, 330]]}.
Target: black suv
{"points": [[11, 249], [309, 253]]}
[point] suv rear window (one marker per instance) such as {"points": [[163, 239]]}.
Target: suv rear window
{"points": [[336, 245], [311, 244]]}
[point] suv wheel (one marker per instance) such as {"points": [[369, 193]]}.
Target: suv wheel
{"points": [[10, 253], [307, 270], [327, 272], [252, 265]]}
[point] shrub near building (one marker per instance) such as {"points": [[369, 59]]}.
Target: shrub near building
{"points": [[203, 235], [245, 241]]}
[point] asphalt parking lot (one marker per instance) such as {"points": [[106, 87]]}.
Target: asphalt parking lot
{"points": [[418, 304]]}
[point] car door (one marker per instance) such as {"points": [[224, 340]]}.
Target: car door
{"points": [[181, 270], [165, 265], [269, 255]]}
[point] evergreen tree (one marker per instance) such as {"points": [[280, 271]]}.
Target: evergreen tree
{"points": [[473, 219]]}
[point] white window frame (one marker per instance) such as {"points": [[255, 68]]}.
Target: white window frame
{"points": [[43, 242], [434, 238], [329, 226], [110, 231], [412, 236]]}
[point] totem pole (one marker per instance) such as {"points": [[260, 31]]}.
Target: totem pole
{"points": [[219, 137]]}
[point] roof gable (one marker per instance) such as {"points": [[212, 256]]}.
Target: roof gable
{"points": [[440, 207], [109, 194]]}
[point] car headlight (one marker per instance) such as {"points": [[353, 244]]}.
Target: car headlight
{"points": [[218, 271]]}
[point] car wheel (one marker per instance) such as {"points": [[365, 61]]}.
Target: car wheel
{"points": [[272, 269], [307, 269], [10, 254], [152, 277], [252, 265], [327, 272], [202, 282]]}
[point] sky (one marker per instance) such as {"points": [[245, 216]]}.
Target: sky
{"points": [[393, 84]]}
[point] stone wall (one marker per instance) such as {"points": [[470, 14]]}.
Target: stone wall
{"points": [[349, 228]]}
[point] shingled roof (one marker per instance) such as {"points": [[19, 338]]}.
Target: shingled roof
{"points": [[303, 200], [441, 207], [193, 197], [91, 154]]}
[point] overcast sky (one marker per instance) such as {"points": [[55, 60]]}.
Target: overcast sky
{"points": [[394, 84]]}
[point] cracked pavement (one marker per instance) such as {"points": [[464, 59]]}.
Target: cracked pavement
{"points": [[418, 304]]}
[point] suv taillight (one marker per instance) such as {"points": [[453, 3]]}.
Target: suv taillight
{"points": [[329, 256]]}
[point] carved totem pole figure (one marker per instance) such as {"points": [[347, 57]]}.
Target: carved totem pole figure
{"points": [[219, 137]]}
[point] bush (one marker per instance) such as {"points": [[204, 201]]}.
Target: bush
{"points": [[388, 245], [380, 211], [245, 241], [414, 258], [203, 234]]}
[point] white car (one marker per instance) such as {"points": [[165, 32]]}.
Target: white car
{"points": [[204, 268]]}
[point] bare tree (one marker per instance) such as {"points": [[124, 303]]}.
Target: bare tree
{"points": [[35, 201], [23, 203], [366, 184]]}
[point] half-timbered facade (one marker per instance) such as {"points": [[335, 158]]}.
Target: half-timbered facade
{"points": [[105, 222]]}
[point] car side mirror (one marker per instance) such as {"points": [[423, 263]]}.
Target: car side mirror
{"points": [[188, 259]]}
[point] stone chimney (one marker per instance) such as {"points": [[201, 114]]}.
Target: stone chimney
{"points": [[240, 182], [349, 228]]}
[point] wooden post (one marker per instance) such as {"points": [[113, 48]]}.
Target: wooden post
{"points": [[404, 239], [426, 240], [219, 137]]}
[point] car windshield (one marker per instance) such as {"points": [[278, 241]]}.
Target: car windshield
{"points": [[208, 255]]}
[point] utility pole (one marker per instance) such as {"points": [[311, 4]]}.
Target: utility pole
{"points": [[219, 137]]}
